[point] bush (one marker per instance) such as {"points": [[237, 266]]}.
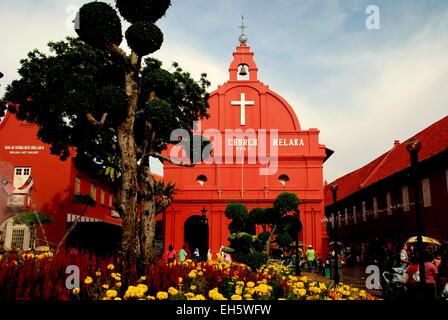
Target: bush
{"points": [[142, 10], [99, 24], [144, 38], [253, 260]]}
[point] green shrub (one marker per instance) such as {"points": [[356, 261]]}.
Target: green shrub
{"points": [[254, 260]]}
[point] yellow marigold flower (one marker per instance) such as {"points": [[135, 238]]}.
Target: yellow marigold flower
{"points": [[98, 273], [143, 278], [76, 291], [117, 298], [304, 279], [150, 298], [200, 273], [173, 291], [111, 293], [250, 284], [238, 291], [193, 288], [281, 299], [236, 297], [199, 297], [105, 286], [180, 280], [118, 284], [111, 267], [248, 296], [323, 286], [299, 285], [192, 274], [189, 295], [161, 295], [106, 298], [88, 280], [240, 283]]}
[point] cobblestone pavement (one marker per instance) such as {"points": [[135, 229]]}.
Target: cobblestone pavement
{"points": [[353, 276]]}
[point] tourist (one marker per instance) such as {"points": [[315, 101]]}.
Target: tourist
{"points": [[171, 254], [431, 276], [310, 257], [404, 258], [437, 260], [442, 275], [182, 254], [412, 284], [196, 254], [209, 255], [227, 257]]}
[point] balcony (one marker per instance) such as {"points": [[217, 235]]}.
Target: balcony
{"points": [[18, 200]]}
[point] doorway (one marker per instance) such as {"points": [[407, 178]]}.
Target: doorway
{"points": [[196, 235]]}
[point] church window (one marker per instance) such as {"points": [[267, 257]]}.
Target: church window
{"points": [[283, 179], [201, 179]]}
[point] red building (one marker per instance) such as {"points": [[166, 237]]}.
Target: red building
{"points": [[245, 113], [35, 180], [377, 201]]}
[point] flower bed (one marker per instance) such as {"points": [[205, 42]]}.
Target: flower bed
{"points": [[43, 277]]}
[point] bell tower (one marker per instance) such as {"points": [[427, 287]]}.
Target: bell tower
{"points": [[243, 59]]}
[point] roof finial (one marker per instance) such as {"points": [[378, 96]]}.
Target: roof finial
{"points": [[243, 37]]}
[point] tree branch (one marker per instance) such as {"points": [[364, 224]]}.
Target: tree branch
{"points": [[161, 157], [95, 122]]}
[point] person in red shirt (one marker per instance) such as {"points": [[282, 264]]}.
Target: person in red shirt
{"points": [[412, 284]]}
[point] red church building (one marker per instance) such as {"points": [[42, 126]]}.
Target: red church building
{"points": [[259, 151]]}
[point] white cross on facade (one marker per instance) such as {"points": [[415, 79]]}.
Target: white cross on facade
{"points": [[243, 103]]}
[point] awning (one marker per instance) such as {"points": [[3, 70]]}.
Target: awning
{"points": [[84, 219]]}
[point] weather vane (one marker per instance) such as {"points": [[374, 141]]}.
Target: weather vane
{"points": [[242, 27], [243, 37]]}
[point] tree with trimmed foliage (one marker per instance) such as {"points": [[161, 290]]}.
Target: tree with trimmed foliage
{"points": [[88, 93]]}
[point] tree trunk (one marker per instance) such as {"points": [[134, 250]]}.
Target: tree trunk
{"points": [[128, 188], [148, 214], [268, 243]]}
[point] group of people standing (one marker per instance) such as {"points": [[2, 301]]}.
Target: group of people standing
{"points": [[183, 254], [436, 272]]}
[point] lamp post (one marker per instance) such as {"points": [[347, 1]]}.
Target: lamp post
{"points": [[334, 190], [413, 146], [204, 218]]}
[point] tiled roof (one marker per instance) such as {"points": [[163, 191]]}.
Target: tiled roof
{"points": [[434, 140]]}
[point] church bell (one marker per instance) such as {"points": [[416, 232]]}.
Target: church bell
{"points": [[243, 71]]}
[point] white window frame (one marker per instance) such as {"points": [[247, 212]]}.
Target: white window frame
{"points": [[364, 211], [405, 198], [20, 178], [77, 185], [102, 196], [389, 203], [93, 191], [10, 229], [375, 207], [426, 189]]}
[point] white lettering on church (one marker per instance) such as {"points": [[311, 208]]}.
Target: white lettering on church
{"points": [[296, 142], [235, 146], [24, 149], [242, 142], [243, 103]]}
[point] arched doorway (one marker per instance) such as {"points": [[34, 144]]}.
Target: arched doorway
{"points": [[196, 235]]}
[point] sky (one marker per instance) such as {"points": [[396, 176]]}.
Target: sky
{"points": [[362, 88]]}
